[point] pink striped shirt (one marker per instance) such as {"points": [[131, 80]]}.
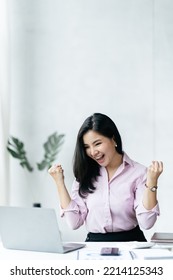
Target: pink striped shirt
{"points": [[116, 205]]}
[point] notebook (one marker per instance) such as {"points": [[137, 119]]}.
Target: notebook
{"points": [[32, 229], [152, 254], [162, 237]]}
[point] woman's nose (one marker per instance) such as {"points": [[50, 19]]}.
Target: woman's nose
{"points": [[93, 151]]}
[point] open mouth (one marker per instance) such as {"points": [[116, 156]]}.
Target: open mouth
{"points": [[99, 159]]}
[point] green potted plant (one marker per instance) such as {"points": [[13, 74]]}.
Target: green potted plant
{"points": [[51, 148]]}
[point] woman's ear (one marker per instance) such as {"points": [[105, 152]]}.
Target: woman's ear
{"points": [[115, 143]]}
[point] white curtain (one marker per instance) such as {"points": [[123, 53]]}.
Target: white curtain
{"points": [[4, 102]]}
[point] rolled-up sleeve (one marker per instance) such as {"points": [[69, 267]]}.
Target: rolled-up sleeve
{"points": [[72, 207], [146, 218], [75, 213]]}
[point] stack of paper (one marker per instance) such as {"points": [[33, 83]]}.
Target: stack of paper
{"points": [[152, 253]]}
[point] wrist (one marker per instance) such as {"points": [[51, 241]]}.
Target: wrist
{"points": [[152, 188], [60, 183], [151, 183]]}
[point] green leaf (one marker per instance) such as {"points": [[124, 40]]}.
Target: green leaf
{"points": [[16, 148], [15, 154], [27, 165], [42, 165], [51, 149]]}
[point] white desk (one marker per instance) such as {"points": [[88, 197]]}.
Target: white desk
{"points": [[91, 251], [7, 254], [13, 262]]}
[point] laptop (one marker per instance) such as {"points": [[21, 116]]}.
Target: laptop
{"points": [[33, 229], [162, 237]]}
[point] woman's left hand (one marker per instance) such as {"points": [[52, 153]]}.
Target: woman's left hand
{"points": [[153, 172]]}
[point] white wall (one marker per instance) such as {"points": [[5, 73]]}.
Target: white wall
{"points": [[73, 58]]}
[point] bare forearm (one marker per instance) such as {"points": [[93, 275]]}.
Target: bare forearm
{"points": [[149, 199], [57, 174], [150, 193], [64, 196]]}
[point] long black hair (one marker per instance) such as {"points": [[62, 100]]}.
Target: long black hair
{"points": [[85, 169]]}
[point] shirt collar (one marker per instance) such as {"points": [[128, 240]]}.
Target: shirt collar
{"points": [[127, 160]]}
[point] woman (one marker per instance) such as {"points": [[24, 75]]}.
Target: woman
{"points": [[112, 194]]}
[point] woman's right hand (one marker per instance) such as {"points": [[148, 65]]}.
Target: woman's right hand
{"points": [[57, 173]]}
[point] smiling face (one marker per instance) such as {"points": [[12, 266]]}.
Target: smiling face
{"points": [[100, 148]]}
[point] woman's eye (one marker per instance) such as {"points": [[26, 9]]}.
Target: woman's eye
{"points": [[97, 144]]}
